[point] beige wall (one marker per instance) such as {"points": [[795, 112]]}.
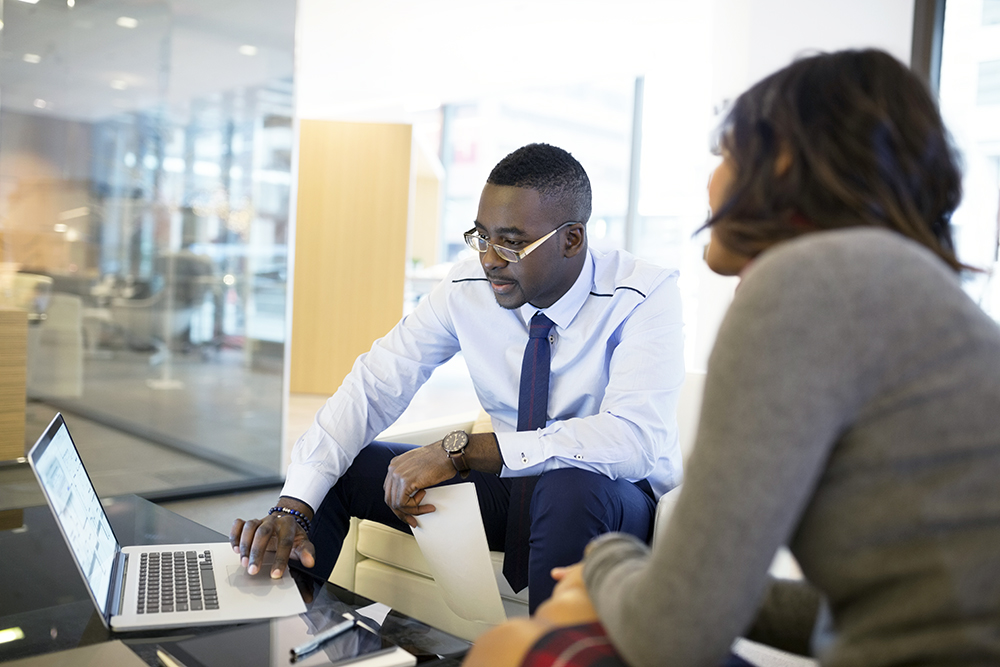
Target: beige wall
{"points": [[350, 245], [13, 374]]}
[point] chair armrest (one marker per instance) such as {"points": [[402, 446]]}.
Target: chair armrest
{"points": [[426, 431]]}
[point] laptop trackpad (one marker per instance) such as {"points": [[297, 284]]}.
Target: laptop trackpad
{"points": [[238, 577]]}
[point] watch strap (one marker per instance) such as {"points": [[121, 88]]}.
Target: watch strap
{"points": [[461, 465], [458, 456]]}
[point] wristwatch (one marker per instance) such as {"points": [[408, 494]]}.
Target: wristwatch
{"points": [[454, 445]]}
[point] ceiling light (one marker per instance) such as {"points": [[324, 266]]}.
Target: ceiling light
{"points": [[60, 227], [248, 50], [71, 3], [32, 58], [30, 2], [40, 104], [1, 25], [118, 84], [127, 22]]}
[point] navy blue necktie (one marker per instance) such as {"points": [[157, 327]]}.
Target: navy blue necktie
{"points": [[532, 404]]}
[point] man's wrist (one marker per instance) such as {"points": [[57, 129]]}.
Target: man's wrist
{"points": [[483, 453], [297, 505]]}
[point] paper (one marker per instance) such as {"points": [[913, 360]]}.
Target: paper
{"points": [[453, 541], [375, 611]]}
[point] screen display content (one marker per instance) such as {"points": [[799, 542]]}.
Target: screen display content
{"points": [[87, 527]]}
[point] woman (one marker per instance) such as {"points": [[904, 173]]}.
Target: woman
{"points": [[851, 408]]}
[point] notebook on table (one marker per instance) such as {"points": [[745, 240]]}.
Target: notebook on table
{"points": [[154, 586]]}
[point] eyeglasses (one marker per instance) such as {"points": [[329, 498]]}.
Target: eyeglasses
{"points": [[480, 244]]}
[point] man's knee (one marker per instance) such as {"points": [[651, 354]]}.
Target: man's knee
{"points": [[593, 502], [573, 488]]}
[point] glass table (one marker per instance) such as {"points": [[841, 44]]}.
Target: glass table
{"points": [[42, 595]]}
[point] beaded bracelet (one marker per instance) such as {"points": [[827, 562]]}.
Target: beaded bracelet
{"points": [[299, 517]]}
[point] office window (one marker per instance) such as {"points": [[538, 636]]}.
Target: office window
{"points": [[146, 195], [991, 12], [970, 103], [988, 83]]}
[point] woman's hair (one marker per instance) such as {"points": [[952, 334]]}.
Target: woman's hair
{"points": [[835, 140]]}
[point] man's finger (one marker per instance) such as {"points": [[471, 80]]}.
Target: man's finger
{"points": [[235, 533], [258, 547], [306, 553], [284, 542], [246, 540]]}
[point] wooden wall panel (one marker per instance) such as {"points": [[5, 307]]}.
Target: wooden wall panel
{"points": [[13, 376], [350, 246]]}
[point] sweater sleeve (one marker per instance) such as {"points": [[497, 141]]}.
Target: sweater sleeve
{"points": [[782, 383]]}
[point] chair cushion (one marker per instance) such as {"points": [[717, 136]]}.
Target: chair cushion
{"points": [[420, 598], [397, 549]]}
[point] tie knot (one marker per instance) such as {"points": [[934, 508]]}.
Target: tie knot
{"points": [[540, 326]]}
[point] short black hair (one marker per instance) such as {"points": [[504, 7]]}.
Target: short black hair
{"points": [[552, 172]]}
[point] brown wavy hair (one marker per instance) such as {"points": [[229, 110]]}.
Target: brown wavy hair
{"points": [[867, 147]]}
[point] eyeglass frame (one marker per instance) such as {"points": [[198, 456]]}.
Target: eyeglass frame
{"points": [[517, 255]]}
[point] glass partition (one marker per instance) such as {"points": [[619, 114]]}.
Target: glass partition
{"points": [[145, 177]]}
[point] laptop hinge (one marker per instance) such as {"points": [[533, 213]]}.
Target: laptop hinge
{"points": [[118, 574]]}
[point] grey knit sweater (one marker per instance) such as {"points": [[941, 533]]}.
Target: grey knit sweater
{"points": [[852, 412]]}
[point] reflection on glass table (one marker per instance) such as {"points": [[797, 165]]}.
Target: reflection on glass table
{"points": [[44, 597]]}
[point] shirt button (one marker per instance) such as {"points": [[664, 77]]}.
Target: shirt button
{"points": [[524, 459], [552, 339], [578, 456]]}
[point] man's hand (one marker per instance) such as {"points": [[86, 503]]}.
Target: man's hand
{"points": [[278, 532], [412, 472]]}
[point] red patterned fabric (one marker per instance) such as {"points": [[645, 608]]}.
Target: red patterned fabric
{"points": [[578, 646]]}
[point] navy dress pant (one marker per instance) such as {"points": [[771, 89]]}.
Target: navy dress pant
{"points": [[569, 507]]}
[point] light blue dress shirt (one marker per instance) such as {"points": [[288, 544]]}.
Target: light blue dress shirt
{"points": [[617, 368]]}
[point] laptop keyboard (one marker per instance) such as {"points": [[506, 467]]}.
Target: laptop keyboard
{"points": [[176, 581]]}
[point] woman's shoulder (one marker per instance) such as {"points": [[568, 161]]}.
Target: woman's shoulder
{"points": [[852, 247], [852, 259]]}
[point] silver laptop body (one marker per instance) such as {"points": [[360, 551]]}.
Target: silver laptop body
{"points": [[112, 573]]}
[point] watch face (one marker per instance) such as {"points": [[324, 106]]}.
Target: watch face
{"points": [[455, 442]]}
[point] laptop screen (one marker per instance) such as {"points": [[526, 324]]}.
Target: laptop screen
{"points": [[77, 508]]}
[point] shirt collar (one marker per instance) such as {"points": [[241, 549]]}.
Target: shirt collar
{"points": [[564, 311]]}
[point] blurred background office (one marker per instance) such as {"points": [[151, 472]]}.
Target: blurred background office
{"points": [[173, 243]]}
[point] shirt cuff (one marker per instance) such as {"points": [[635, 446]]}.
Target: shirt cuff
{"points": [[520, 451], [306, 484]]}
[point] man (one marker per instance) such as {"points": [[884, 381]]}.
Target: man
{"points": [[583, 410]]}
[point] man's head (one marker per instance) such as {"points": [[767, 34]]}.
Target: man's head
{"points": [[531, 192], [551, 171]]}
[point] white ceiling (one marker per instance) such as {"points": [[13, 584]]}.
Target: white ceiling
{"points": [[180, 51]]}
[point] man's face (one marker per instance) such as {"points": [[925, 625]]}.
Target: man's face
{"points": [[514, 217]]}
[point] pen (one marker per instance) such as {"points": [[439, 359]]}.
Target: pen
{"points": [[309, 647], [166, 659]]}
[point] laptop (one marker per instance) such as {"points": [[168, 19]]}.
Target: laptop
{"points": [[155, 586]]}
